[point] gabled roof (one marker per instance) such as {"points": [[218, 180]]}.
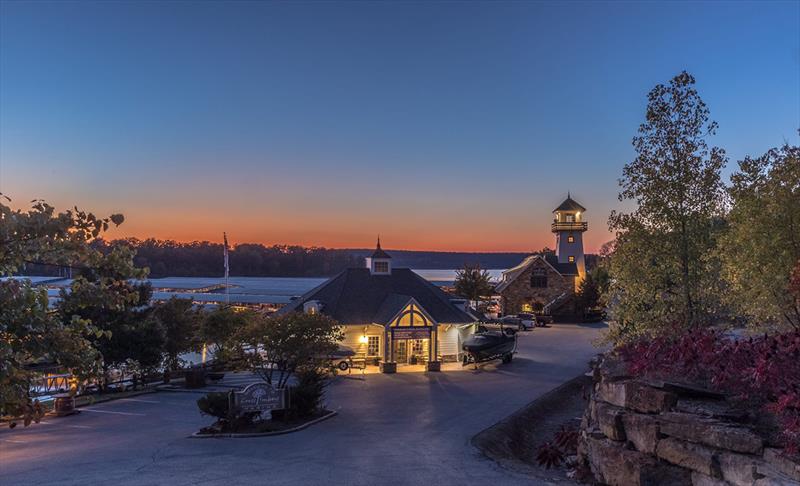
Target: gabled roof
{"points": [[566, 269], [569, 204], [392, 305], [357, 297]]}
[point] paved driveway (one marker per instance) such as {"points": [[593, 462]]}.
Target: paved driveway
{"points": [[408, 428]]}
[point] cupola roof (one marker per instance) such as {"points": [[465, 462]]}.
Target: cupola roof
{"points": [[379, 253]]}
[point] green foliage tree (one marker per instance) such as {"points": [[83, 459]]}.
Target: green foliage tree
{"points": [[30, 334], [473, 283], [220, 331], [593, 288], [109, 293], [665, 276], [762, 241], [181, 324], [289, 342]]}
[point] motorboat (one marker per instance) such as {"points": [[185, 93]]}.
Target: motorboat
{"points": [[487, 345]]}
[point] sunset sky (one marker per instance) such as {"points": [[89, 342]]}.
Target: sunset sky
{"points": [[441, 126]]}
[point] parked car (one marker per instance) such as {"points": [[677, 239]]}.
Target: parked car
{"points": [[523, 322], [342, 358]]}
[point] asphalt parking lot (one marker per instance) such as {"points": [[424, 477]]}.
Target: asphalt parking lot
{"points": [[403, 429]]}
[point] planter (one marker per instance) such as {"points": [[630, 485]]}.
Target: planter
{"points": [[388, 367], [412, 360], [195, 378], [433, 366], [64, 405]]}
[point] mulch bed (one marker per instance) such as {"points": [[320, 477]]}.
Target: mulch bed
{"points": [[265, 426]]}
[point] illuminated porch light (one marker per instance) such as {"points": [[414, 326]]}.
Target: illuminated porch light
{"points": [[362, 339]]}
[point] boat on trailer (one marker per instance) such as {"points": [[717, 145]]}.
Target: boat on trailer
{"points": [[487, 345]]}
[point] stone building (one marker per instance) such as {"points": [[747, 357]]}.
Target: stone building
{"points": [[546, 283]]}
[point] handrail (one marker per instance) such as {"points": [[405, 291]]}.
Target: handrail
{"points": [[570, 226]]}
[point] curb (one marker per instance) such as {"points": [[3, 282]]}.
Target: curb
{"points": [[201, 391], [112, 398], [198, 435]]}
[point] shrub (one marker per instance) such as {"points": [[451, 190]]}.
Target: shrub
{"points": [[553, 453], [762, 372], [307, 394], [215, 404]]}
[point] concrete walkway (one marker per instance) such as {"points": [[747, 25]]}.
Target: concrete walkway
{"points": [[403, 429]]}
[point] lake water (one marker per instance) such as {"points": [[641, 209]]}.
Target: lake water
{"points": [[250, 290]]}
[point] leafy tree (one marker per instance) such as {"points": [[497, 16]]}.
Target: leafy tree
{"points": [[290, 342], [220, 330], [473, 283], [762, 241], [181, 323], [30, 334], [110, 294], [592, 289], [665, 276]]}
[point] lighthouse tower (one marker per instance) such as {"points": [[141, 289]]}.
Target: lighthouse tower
{"points": [[568, 226]]}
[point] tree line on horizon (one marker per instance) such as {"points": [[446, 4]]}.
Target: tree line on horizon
{"points": [[169, 258]]}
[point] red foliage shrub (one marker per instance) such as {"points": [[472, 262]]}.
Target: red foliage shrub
{"points": [[763, 371], [549, 455]]}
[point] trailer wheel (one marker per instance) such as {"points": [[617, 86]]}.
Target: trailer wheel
{"points": [[343, 366], [507, 358]]}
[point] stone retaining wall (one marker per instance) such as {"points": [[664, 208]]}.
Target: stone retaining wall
{"points": [[638, 432]]}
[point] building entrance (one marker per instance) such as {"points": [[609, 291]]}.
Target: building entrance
{"points": [[411, 351]]}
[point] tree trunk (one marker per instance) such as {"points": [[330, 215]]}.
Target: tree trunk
{"points": [[687, 294]]}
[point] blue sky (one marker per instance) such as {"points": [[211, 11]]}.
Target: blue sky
{"points": [[440, 125]]}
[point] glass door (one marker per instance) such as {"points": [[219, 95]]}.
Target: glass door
{"points": [[401, 350]]}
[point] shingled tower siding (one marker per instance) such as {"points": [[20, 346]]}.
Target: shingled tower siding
{"points": [[520, 292]]}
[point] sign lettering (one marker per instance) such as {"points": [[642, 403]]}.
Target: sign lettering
{"points": [[259, 397], [411, 333]]}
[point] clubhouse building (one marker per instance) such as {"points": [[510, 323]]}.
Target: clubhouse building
{"points": [[391, 315]]}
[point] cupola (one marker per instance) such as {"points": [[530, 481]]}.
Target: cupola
{"points": [[379, 263]]}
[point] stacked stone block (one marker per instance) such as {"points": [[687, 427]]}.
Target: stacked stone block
{"points": [[642, 432]]}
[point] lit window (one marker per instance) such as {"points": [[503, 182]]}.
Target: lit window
{"points": [[373, 345], [571, 258], [381, 267], [539, 278], [570, 218], [527, 307], [570, 239]]}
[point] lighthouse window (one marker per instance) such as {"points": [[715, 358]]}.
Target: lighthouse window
{"points": [[570, 239], [539, 278], [571, 258]]}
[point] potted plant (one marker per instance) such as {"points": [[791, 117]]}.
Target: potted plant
{"points": [[413, 359]]}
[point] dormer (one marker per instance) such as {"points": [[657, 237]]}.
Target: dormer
{"points": [[379, 263]]}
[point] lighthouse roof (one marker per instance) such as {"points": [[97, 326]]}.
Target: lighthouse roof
{"points": [[569, 204]]}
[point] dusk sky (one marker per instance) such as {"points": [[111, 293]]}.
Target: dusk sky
{"points": [[441, 126]]}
